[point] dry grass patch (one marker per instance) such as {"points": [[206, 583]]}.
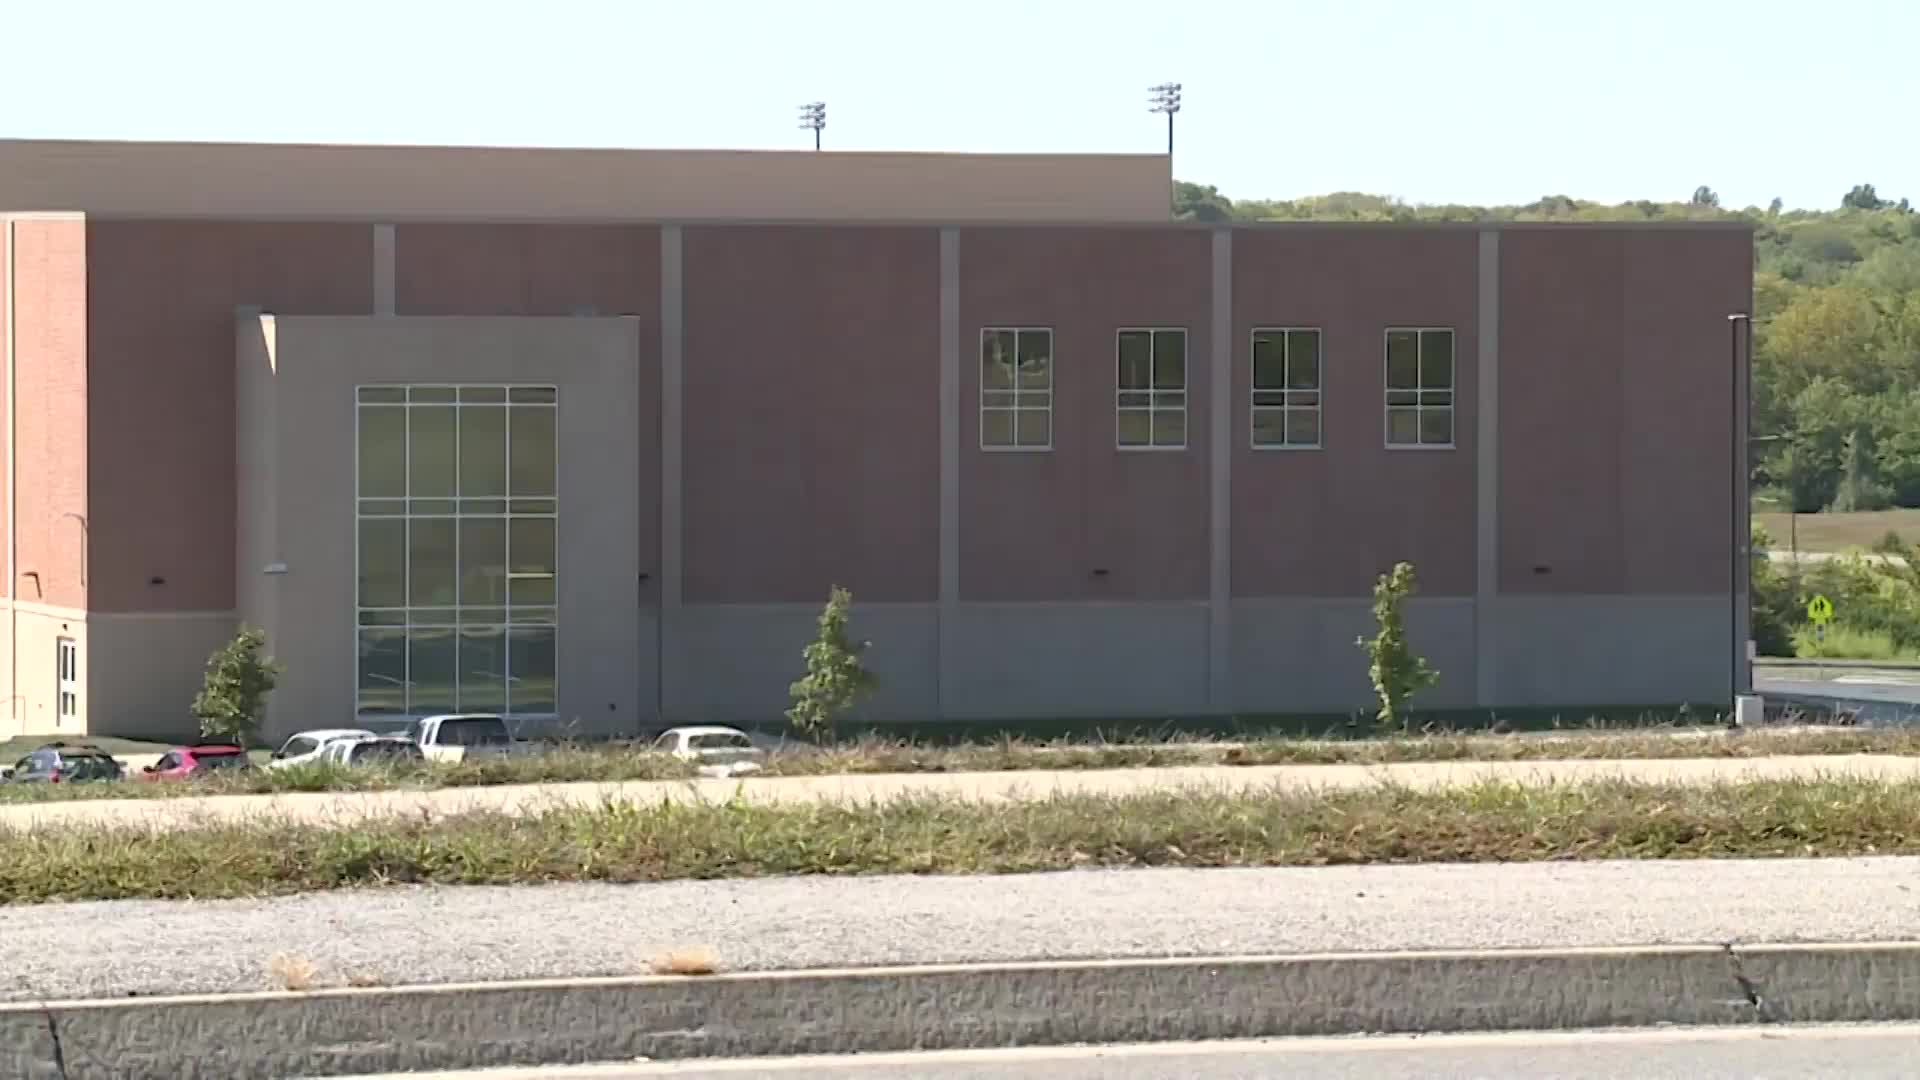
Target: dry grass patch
{"points": [[1841, 532], [293, 971], [698, 960], [628, 842], [869, 756]]}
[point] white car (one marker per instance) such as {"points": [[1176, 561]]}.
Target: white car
{"points": [[308, 747], [462, 736], [718, 751], [393, 751]]}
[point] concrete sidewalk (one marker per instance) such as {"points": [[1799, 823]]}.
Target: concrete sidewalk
{"points": [[448, 934], [827, 965], [347, 807]]}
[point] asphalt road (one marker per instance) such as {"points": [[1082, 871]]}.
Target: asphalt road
{"points": [[345, 808], [1874, 696], [1859, 1053], [414, 935]]}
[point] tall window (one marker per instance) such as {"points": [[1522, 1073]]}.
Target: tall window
{"points": [[1150, 404], [457, 509], [1419, 387], [1286, 388], [66, 661], [1016, 388]]}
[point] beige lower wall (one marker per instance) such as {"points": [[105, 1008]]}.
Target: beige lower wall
{"points": [[148, 669], [296, 494], [28, 638]]}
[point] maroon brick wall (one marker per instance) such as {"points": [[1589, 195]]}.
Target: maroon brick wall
{"points": [[1326, 522], [1615, 389], [811, 397], [1035, 526], [551, 270], [160, 330], [526, 270]]}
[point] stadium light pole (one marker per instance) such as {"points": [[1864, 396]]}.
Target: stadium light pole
{"points": [[814, 115], [1739, 327], [1166, 99]]}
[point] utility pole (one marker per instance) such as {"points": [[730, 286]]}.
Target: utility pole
{"points": [[814, 115], [1739, 326]]}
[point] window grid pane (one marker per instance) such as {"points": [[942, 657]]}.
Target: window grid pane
{"points": [[1420, 373], [1016, 388], [1150, 391], [447, 561], [1286, 388]]}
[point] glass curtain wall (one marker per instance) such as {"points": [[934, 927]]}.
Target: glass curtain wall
{"points": [[457, 512]]}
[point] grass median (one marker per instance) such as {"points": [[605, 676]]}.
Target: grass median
{"points": [[630, 842], [605, 764]]}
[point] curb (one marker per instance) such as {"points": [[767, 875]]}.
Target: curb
{"points": [[1795, 663], [345, 1031]]}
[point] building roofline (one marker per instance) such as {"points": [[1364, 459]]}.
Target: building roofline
{"points": [[918, 223], [611, 151]]}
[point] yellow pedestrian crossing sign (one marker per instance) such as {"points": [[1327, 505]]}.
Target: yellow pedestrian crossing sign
{"points": [[1820, 610]]}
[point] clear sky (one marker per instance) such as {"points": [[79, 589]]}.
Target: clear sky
{"points": [[1431, 100]]}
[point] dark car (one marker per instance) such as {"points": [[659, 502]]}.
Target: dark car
{"points": [[198, 760], [63, 763]]}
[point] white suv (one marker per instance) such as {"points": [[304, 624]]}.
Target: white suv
{"points": [[307, 747]]}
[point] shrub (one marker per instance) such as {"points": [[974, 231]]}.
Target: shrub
{"points": [[235, 691], [1397, 672], [835, 680], [1843, 642], [1776, 603]]}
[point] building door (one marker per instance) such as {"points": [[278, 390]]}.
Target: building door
{"points": [[67, 681]]}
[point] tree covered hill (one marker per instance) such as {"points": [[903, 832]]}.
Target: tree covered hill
{"points": [[1837, 347]]}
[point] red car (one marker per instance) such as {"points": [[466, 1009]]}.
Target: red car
{"points": [[201, 759]]}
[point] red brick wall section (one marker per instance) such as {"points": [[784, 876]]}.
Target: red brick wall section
{"points": [[1327, 522], [50, 426], [1675, 439], [526, 270], [162, 470], [1036, 526], [812, 390], [6, 292], [1615, 394], [1561, 408], [550, 270]]}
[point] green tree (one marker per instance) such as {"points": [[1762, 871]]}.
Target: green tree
{"points": [[1776, 603], [1396, 670], [1192, 202], [234, 692], [835, 680], [1705, 196], [1863, 197], [1860, 487]]}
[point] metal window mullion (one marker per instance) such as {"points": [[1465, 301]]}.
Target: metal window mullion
{"points": [[457, 411], [406, 559], [506, 569]]}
